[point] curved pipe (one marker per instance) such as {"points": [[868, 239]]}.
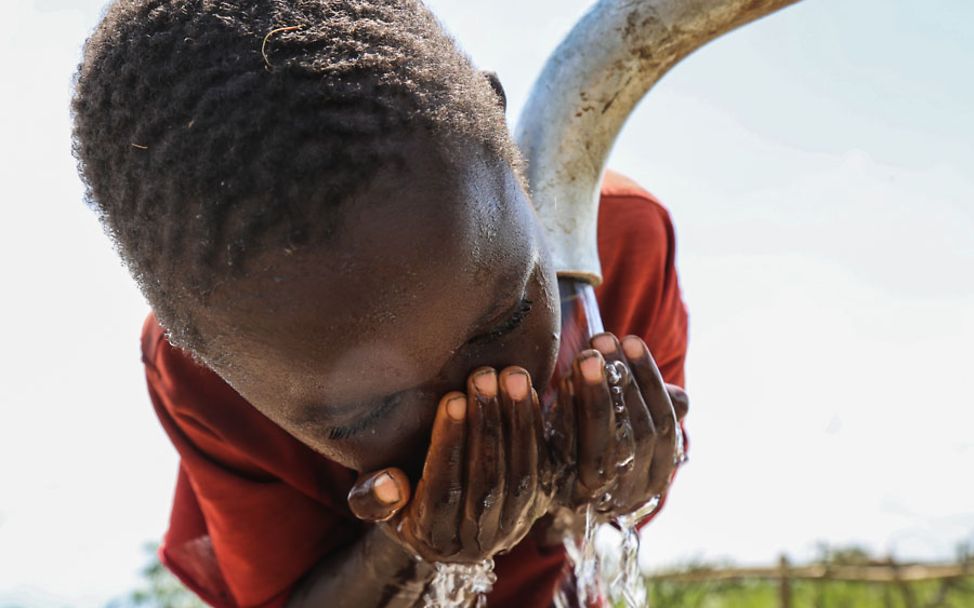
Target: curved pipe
{"points": [[584, 95]]}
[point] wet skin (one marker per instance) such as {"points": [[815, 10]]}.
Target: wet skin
{"points": [[426, 280], [411, 347]]}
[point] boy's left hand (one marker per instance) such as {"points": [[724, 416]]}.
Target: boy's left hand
{"points": [[615, 427]]}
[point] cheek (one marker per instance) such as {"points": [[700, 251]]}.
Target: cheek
{"points": [[545, 333], [550, 299], [545, 340]]}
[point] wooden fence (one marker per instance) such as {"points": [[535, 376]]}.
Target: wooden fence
{"points": [[899, 575]]}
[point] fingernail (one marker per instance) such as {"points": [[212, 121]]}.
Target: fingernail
{"points": [[456, 408], [592, 369], [604, 344], [633, 347], [486, 384], [385, 489], [517, 385]]}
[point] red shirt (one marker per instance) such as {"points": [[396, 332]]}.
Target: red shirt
{"points": [[255, 509]]}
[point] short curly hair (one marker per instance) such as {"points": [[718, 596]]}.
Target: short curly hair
{"points": [[208, 131]]}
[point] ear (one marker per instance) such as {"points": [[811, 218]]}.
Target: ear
{"points": [[495, 84]]}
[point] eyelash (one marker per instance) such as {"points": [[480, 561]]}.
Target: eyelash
{"points": [[524, 307], [344, 432]]}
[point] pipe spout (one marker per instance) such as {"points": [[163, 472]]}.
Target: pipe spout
{"points": [[584, 95]]}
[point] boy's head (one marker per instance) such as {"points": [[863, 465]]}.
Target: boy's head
{"points": [[322, 203]]}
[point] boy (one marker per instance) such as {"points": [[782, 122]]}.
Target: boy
{"points": [[322, 204]]}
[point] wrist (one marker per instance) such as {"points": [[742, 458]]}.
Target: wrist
{"points": [[389, 559]]}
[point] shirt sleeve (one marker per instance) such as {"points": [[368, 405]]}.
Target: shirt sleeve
{"points": [[254, 509], [640, 293]]}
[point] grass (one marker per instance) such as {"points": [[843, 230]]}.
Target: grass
{"points": [[956, 593]]}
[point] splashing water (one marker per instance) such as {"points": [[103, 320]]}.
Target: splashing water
{"points": [[627, 587], [459, 585], [588, 568]]}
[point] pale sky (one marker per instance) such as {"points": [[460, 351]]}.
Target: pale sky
{"points": [[818, 167]]}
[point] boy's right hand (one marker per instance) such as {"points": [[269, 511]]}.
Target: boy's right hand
{"points": [[487, 476]]}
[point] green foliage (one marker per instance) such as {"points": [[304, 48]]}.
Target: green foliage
{"points": [[160, 589], [811, 594], [955, 593]]}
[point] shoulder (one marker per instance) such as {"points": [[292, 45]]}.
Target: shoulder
{"points": [[633, 222], [625, 200], [189, 388], [152, 336], [617, 186]]}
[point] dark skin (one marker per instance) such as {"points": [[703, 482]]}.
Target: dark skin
{"points": [[411, 349], [426, 281]]}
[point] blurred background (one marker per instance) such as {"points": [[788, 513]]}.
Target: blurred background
{"points": [[818, 167]]}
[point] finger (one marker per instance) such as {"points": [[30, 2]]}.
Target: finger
{"points": [[636, 484], [561, 436], [680, 400], [651, 384], [633, 481], [657, 398], [379, 495], [485, 465], [546, 467], [521, 449], [620, 393], [435, 513], [595, 426]]}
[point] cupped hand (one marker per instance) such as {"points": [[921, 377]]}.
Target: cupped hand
{"points": [[614, 428], [486, 479]]}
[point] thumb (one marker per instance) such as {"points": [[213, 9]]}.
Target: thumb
{"points": [[379, 495], [681, 402]]}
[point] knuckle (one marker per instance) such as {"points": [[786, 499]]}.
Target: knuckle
{"points": [[643, 448], [416, 535], [587, 490], [521, 485], [587, 353], [664, 426], [453, 496]]}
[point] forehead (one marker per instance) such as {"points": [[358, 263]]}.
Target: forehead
{"points": [[418, 261]]}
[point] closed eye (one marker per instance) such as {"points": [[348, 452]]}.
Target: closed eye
{"points": [[522, 310], [388, 404]]}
